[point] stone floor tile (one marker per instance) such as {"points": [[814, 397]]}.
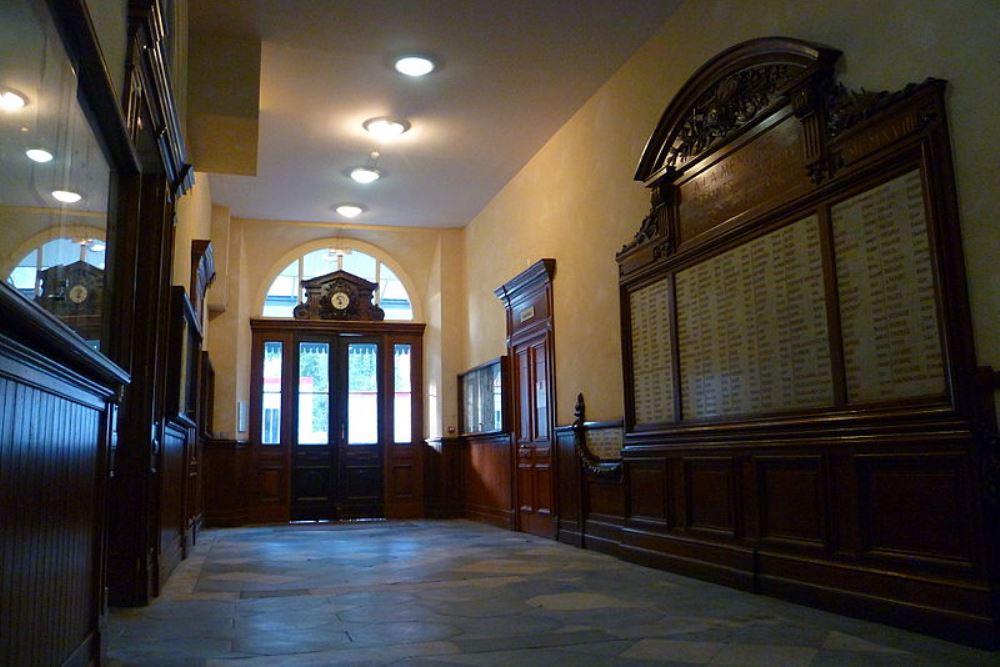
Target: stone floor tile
{"points": [[695, 653], [756, 655], [436, 593]]}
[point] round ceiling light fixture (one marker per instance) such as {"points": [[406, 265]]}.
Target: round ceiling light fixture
{"points": [[67, 196], [384, 128], [350, 210], [414, 66], [365, 175], [11, 101], [38, 155]]}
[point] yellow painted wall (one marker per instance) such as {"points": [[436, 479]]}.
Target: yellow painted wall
{"points": [[575, 200], [229, 345]]}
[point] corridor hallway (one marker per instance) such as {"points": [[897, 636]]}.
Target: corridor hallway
{"points": [[461, 593]]}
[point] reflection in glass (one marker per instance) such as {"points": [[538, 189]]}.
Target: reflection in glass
{"points": [[482, 395], [362, 393], [314, 394], [53, 251], [402, 393], [271, 396]]}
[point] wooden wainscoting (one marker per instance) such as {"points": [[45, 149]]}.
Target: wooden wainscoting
{"points": [[225, 467], [56, 429], [487, 467], [443, 478]]}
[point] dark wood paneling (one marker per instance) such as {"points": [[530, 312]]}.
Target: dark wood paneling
{"points": [[225, 482], [709, 494], [443, 485], [646, 484], [913, 505], [791, 500], [54, 433], [172, 517], [486, 475]]}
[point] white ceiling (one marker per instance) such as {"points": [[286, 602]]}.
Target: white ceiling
{"points": [[512, 72]]}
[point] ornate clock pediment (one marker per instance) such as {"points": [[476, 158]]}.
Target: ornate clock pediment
{"points": [[71, 289], [339, 296]]}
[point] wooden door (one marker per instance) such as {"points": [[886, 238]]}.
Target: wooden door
{"points": [[338, 440], [335, 420], [532, 371], [530, 335]]}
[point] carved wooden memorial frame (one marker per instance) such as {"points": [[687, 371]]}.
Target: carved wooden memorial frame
{"points": [[802, 411]]}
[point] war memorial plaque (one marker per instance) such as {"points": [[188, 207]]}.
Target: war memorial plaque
{"points": [[652, 374], [752, 330], [892, 346]]}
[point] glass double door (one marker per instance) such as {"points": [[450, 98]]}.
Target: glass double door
{"points": [[337, 456]]}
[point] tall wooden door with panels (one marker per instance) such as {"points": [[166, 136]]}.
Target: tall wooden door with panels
{"points": [[530, 344], [335, 409]]}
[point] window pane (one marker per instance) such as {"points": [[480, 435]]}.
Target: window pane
{"points": [[318, 263], [360, 264], [56, 182], [314, 394], [393, 297], [271, 399], [282, 296], [362, 393], [402, 396]]}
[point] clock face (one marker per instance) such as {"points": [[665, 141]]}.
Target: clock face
{"points": [[340, 300], [78, 294]]}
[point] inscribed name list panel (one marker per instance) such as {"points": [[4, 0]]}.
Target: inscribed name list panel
{"points": [[752, 329], [888, 314], [652, 373]]}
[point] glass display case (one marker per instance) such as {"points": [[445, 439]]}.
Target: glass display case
{"points": [[483, 393]]}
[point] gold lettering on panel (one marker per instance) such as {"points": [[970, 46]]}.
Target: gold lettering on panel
{"points": [[752, 330], [892, 345]]}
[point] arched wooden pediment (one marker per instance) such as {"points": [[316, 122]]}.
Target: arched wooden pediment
{"points": [[726, 96]]}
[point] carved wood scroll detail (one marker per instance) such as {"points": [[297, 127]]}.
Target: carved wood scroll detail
{"points": [[592, 464], [728, 106]]}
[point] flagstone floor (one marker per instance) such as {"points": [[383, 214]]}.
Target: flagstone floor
{"points": [[436, 593]]}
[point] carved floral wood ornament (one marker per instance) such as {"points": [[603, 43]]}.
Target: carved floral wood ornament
{"points": [[733, 93], [339, 296]]}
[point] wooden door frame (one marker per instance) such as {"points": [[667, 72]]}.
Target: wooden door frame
{"points": [[398, 457], [529, 316]]}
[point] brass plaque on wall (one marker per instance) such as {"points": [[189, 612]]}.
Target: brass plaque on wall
{"points": [[766, 169], [892, 346], [752, 329], [652, 373]]}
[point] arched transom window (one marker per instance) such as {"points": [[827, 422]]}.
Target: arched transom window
{"points": [[286, 291]]}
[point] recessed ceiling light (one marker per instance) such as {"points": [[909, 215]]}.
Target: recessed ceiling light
{"points": [[350, 210], [365, 175], [67, 196], [11, 101], [384, 128], [38, 155], [414, 65]]}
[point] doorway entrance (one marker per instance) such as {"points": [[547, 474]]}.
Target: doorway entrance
{"points": [[336, 418], [337, 459]]}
